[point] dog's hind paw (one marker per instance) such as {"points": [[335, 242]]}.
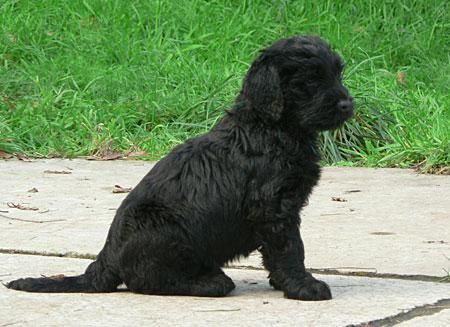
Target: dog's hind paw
{"points": [[311, 289]]}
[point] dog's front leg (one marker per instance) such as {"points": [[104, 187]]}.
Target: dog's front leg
{"points": [[283, 255]]}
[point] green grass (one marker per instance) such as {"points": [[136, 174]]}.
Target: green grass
{"points": [[79, 77]]}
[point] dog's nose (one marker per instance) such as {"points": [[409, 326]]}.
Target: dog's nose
{"points": [[345, 105]]}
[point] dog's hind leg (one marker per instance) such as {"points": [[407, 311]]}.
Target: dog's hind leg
{"points": [[213, 284], [160, 265], [163, 281]]}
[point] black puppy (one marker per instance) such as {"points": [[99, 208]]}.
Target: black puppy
{"points": [[224, 194]]}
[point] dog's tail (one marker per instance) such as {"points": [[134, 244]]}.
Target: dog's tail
{"points": [[96, 279], [58, 283]]}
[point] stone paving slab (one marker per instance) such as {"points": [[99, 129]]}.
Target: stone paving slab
{"points": [[391, 221], [356, 300], [76, 208]]}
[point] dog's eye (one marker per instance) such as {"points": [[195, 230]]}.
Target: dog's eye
{"points": [[312, 87], [317, 72]]}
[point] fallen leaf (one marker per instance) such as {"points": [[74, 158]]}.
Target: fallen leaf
{"points": [[338, 199], [23, 157], [437, 242], [35, 104], [5, 155], [9, 102], [120, 189], [112, 156], [136, 154], [11, 37], [86, 22], [353, 191], [104, 157], [21, 206], [401, 78], [33, 190]]}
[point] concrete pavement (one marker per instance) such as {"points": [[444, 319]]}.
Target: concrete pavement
{"points": [[390, 224]]}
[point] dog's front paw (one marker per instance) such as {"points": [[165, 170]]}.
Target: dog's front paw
{"points": [[310, 289]]}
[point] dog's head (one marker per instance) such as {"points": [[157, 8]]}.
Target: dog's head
{"points": [[299, 81]]}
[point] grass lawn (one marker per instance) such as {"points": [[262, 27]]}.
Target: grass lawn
{"points": [[85, 77]]}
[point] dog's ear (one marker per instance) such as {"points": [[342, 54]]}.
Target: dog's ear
{"points": [[262, 89]]}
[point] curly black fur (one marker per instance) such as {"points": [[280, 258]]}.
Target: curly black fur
{"points": [[221, 195]]}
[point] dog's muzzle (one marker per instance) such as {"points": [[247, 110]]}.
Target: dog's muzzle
{"points": [[346, 106]]}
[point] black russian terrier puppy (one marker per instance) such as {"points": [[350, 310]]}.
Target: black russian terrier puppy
{"points": [[222, 195]]}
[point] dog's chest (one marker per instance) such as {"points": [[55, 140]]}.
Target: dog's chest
{"points": [[280, 190]]}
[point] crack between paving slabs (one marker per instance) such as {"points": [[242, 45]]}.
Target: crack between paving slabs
{"points": [[420, 311], [326, 271], [332, 271], [73, 255]]}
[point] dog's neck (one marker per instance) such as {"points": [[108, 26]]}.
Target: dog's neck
{"points": [[242, 115], [274, 136]]}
